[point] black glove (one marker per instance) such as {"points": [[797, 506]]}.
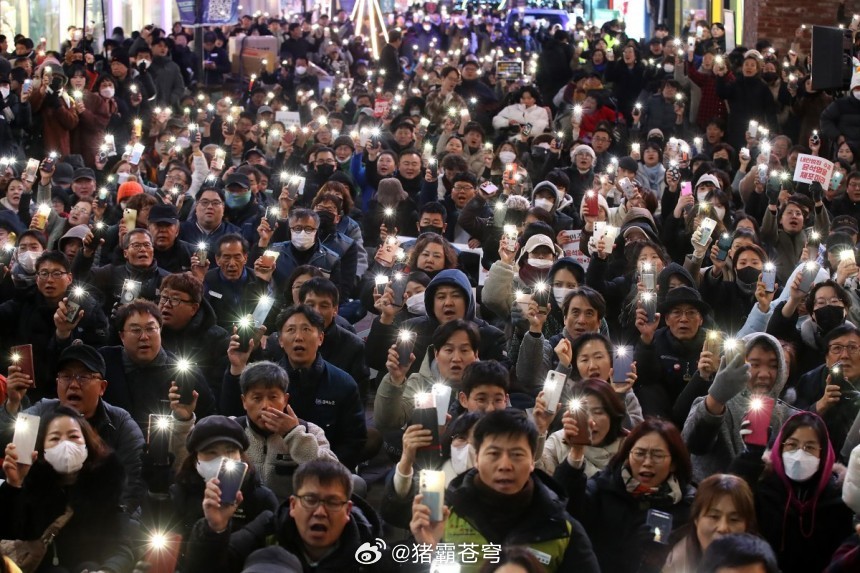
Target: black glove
{"points": [[141, 67], [817, 191]]}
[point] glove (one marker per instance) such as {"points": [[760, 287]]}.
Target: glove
{"points": [[772, 192], [518, 318], [817, 191], [699, 251], [731, 379]]}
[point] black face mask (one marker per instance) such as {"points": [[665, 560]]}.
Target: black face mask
{"points": [[747, 278], [327, 225], [430, 229], [769, 77], [723, 164], [325, 171], [829, 317]]}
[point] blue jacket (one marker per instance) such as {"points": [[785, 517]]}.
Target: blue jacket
{"points": [[320, 256]]}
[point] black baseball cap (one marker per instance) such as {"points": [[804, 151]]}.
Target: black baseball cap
{"points": [[163, 214], [86, 355]]}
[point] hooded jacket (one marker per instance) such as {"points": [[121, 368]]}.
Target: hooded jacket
{"points": [[382, 336], [714, 440], [223, 552], [561, 222], [803, 522]]}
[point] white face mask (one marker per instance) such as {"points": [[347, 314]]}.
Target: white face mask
{"points": [[507, 157], [544, 204], [304, 240], [208, 470], [540, 263], [4, 92], [67, 457], [701, 195], [799, 466], [720, 211], [668, 68], [301, 70], [106, 93], [415, 304], [27, 260], [122, 177], [559, 293], [462, 458]]}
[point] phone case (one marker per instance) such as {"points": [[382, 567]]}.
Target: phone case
{"points": [[246, 330], [24, 355], [686, 188], [768, 277], [230, 478], [541, 295], [431, 485], [398, 289], [810, 271], [405, 345], [649, 303], [185, 383], [592, 208], [129, 216], [381, 283], [723, 246], [158, 434], [713, 342], [26, 432], [428, 419], [649, 279], [136, 153], [761, 408], [553, 386], [488, 188], [388, 251], [8, 251], [261, 311], [622, 364], [130, 291], [73, 307], [661, 524], [579, 409]]}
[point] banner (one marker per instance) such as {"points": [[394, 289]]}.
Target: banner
{"points": [[214, 12], [571, 248], [810, 168]]}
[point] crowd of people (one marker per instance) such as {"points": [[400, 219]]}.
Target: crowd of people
{"points": [[413, 310]]}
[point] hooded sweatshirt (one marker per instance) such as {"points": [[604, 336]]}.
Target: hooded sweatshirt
{"points": [[561, 222], [714, 440]]}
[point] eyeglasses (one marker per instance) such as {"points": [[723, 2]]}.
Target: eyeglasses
{"points": [[837, 349], [175, 178], [312, 502], [81, 379], [600, 139], [463, 187], [43, 275], [172, 300], [140, 246], [210, 203], [689, 313], [793, 445], [299, 229], [80, 210], [657, 456], [137, 331]]}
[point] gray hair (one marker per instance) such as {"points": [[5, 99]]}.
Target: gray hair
{"points": [[126, 240], [265, 374]]}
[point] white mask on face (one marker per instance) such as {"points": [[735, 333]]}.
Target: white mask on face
{"points": [[559, 293], [106, 93], [701, 195], [67, 457], [208, 470], [544, 204], [27, 261], [4, 92], [462, 458], [122, 177], [540, 263], [303, 240], [799, 466], [415, 304], [720, 211], [301, 70], [507, 157]]}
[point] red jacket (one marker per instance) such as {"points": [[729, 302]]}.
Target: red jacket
{"points": [[711, 105], [590, 121], [89, 134], [57, 122]]}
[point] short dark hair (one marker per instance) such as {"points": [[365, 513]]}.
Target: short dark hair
{"points": [[558, 178], [840, 292], [313, 316], [593, 297], [738, 550], [447, 330], [232, 238], [434, 207], [395, 35], [447, 70], [511, 423], [297, 214], [320, 286], [484, 373], [839, 331], [137, 306], [54, 257], [185, 282], [326, 472], [126, 240], [263, 374], [38, 235]]}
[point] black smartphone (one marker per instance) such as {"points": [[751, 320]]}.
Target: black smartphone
{"points": [[398, 288], [230, 478], [425, 414], [405, 345], [185, 381], [245, 329], [158, 432]]}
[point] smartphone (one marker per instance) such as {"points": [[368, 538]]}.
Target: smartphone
{"points": [[22, 357], [768, 277], [649, 303], [592, 208], [622, 364], [136, 153], [103, 196], [627, 187], [398, 288], [129, 216], [541, 294], [32, 170], [218, 160], [229, 126], [431, 485], [488, 188], [230, 478], [761, 409], [261, 311], [553, 386], [425, 415], [815, 139], [527, 129], [162, 554], [158, 434], [185, 381], [8, 251], [50, 160], [707, 226], [130, 291], [99, 231], [272, 214], [836, 180], [686, 188], [245, 328], [73, 304], [388, 251], [579, 409], [297, 187], [753, 129], [762, 174], [405, 344], [24, 439], [723, 246], [810, 271], [660, 524], [649, 277], [28, 85]]}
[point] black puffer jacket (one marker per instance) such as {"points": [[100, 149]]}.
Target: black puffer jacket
{"points": [[842, 117]]}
